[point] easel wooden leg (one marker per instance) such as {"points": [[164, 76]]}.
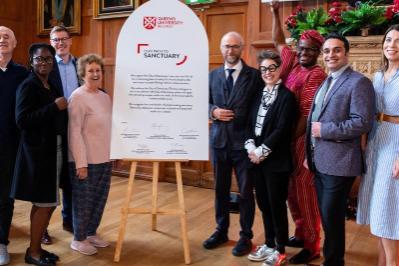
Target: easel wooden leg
{"points": [[154, 210], [183, 218], [125, 212]]}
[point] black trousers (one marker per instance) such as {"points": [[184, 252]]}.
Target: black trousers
{"points": [[332, 193], [67, 202], [271, 196], [224, 161], [7, 162]]}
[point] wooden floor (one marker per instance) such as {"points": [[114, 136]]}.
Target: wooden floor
{"points": [[164, 247]]}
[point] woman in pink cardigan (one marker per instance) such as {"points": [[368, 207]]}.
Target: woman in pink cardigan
{"points": [[89, 131]]}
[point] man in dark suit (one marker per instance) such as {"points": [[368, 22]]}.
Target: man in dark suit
{"points": [[11, 75], [343, 110], [64, 76], [231, 89]]}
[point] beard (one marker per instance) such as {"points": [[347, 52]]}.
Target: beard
{"points": [[232, 59]]}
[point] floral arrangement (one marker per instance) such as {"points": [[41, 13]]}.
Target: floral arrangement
{"points": [[342, 19], [363, 16], [392, 13]]}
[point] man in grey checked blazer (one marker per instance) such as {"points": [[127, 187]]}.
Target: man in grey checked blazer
{"points": [[343, 110]]}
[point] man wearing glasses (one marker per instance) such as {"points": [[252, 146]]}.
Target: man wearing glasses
{"points": [[64, 75], [231, 89], [65, 72], [302, 75], [11, 75]]}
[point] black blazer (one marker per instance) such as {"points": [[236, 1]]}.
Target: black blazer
{"points": [[9, 82], [40, 121], [55, 76], [276, 131], [239, 101]]}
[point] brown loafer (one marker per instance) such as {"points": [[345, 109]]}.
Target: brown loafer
{"points": [[46, 238]]}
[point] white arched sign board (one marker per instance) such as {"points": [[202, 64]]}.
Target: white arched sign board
{"points": [[160, 108]]}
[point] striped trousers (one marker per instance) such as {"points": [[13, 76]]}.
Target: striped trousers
{"points": [[88, 198], [302, 200]]}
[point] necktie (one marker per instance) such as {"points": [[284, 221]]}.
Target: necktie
{"points": [[320, 99], [230, 80], [319, 103]]}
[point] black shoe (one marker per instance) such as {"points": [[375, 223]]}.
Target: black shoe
{"points": [[46, 238], [304, 256], [243, 247], [43, 261], [67, 227], [295, 242], [215, 240], [50, 256]]}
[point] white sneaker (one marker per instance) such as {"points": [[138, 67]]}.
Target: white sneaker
{"points": [[83, 247], [4, 256], [97, 241], [276, 259], [261, 253]]}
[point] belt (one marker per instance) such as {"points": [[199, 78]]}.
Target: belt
{"points": [[387, 118]]}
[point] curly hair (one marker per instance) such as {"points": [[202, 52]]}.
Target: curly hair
{"points": [[268, 54], [88, 59]]}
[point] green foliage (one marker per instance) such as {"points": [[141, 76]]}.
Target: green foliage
{"points": [[364, 15], [315, 19]]}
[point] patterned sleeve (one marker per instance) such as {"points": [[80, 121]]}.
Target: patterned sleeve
{"points": [[288, 58], [262, 152], [250, 145], [312, 83]]}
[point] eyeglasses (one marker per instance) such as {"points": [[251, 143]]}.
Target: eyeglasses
{"points": [[271, 68], [41, 59], [234, 47], [57, 40], [300, 49]]}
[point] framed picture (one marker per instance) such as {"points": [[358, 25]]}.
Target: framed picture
{"points": [[51, 13], [113, 8]]}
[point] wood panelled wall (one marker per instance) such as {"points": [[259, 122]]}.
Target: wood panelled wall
{"points": [[248, 17]]}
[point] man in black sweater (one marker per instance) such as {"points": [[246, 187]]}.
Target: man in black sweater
{"points": [[11, 75]]}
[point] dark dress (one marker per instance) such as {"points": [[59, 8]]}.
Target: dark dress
{"points": [[40, 121]]}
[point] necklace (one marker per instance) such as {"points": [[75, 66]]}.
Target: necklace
{"points": [[46, 86]]}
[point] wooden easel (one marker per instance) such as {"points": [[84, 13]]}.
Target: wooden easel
{"points": [[154, 211]]}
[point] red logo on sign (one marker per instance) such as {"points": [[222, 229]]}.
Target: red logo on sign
{"points": [[149, 22]]}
